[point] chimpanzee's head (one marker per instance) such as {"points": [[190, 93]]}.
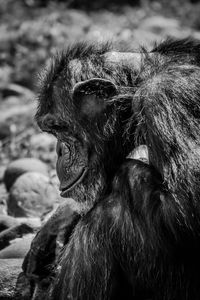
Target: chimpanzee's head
{"points": [[85, 101]]}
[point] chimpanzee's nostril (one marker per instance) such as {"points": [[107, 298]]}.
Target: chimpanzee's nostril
{"points": [[59, 149], [60, 152]]}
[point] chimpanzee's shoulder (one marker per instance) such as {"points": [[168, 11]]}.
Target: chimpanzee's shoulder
{"points": [[173, 46]]}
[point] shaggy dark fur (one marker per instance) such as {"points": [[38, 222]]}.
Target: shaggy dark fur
{"points": [[140, 233]]}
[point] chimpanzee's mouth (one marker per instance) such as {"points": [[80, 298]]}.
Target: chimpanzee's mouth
{"points": [[71, 186]]}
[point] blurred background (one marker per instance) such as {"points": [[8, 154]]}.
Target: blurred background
{"points": [[30, 32]]}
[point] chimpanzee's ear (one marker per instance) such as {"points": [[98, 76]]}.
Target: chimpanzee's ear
{"points": [[90, 96]]}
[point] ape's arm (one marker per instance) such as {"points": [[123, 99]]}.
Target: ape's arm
{"points": [[87, 264], [48, 241], [122, 230]]}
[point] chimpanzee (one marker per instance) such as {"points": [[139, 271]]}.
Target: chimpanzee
{"points": [[139, 233]]}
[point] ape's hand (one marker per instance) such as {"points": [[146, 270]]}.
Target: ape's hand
{"points": [[49, 240]]}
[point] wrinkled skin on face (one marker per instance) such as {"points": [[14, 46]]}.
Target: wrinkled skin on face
{"points": [[72, 163], [80, 175]]}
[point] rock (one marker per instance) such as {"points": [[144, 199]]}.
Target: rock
{"points": [[5, 130], [9, 272], [8, 235], [43, 142], [3, 200], [77, 17], [32, 195], [2, 172], [12, 89], [43, 147], [54, 179], [21, 166], [7, 222], [146, 36], [126, 34], [18, 247], [35, 223], [159, 24], [3, 207]]}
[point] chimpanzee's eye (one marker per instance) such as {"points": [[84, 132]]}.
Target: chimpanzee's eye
{"points": [[56, 130]]}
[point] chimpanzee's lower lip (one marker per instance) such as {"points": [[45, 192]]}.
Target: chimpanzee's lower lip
{"points": [[72, 185]]}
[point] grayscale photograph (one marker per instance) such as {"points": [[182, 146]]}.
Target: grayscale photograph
{"points": [[100, 150]]}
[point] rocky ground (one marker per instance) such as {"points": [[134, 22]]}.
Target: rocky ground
{"points": [[29, 35]]}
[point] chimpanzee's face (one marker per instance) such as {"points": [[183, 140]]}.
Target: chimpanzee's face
{"points": [[72, 149], [78, 121]]}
